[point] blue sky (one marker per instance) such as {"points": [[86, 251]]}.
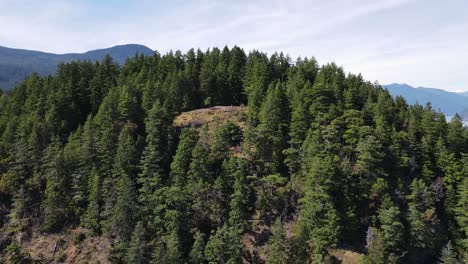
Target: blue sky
{"points": [[419, 42]]}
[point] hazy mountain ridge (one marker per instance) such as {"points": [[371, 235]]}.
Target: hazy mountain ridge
{"points": [[16, 64], [447, 102]]}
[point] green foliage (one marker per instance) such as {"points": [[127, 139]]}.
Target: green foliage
{"points": [[54, 205], [462, 212], [376, 250], [181, 162], [448, 255], [92, 216], [155, 156], [272, 130], [277, 245], [16, 255], [423, 220], [224, 246], [122, 218], [197, 254], [96, 145], [167, 250], [392, 230], [137, 252], [240, 206]]}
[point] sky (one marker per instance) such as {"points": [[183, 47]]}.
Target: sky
{"points": [[419, 42]]}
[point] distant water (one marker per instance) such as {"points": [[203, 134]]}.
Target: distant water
{"points": [[448, 118]]}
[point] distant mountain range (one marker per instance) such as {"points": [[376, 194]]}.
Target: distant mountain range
{"points": [[16, 64], [447, 102]]}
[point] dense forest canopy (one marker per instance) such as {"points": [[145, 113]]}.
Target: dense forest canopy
{"points": [[323, 160]]}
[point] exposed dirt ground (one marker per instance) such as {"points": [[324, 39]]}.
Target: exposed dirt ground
{"points": [[71, 246]]}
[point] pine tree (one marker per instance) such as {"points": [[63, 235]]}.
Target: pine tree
{"points": [[376, 249], [173, 220], [300, 123], [236, 72], [320, 221], [461, 211], [154, 159], [223, 93], [124, 212], [240, 198], [326, 88], [224, 246], [56, 199], [208, 77], [197, 255], [448, 255], [137, 251], [16, 255], [92, 215], [205, 198], [181, 162], [167, 250], [272, 130], [423, 220], [224, 138], [256, 83], [199, 170], [319, 217], [391, 229], [277, 247]]}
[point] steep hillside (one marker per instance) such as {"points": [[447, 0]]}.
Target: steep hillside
{"points": [[226, 157]]}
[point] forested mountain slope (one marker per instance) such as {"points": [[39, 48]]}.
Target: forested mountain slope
{"points": [[17, 64], [314, 162]]}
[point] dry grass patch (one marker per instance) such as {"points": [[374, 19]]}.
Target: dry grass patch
{"points": [[212, 117], [346, 256]]}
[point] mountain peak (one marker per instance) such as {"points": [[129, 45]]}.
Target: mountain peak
{"points": [[16, 64]]}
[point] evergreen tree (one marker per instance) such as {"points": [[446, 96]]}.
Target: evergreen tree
{"points": [[181, 161], [391, 230], [277, 247], [236, 72], [240, 198], [124, 212], [448, 255], [154, 159], [167, 250], [271, 131], [16, 255], [137, 251], [256, 83], [423, 220], [224, 246], [462, 212], [319, 218], [92, 215], [197, 255], [376, 249], [56, 198]]}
